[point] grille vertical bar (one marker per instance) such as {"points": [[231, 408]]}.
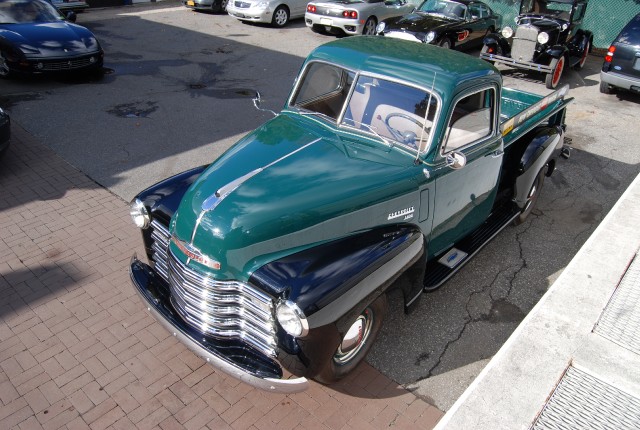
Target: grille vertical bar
{"points": [[524, 43]]}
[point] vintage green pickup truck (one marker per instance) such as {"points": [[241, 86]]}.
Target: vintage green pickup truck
{"points": [[273, 262]]}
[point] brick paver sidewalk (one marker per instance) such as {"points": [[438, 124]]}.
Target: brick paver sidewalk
{"points": [[78, 350]]}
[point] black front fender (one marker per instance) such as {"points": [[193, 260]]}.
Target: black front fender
{"points": [[496, 39], [332, 283]]}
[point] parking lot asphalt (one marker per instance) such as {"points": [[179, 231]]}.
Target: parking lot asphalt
{"points": [[177, 94], [78, 349]]}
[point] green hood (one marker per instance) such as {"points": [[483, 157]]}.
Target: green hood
{"points": [[286, 186]]}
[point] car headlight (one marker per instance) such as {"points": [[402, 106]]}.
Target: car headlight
{"points": [[291, 318], [507, 32], [262, 5], [429, 37], [380, 27], [543, 37], [139, 214]]}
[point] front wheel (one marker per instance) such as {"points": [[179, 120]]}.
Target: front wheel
{"points": [[552, 79], [532, 198], [369, 27], [280, 17], [356, 342], [446, 43], [5, 71]]}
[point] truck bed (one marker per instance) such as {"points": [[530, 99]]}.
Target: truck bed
{"points": [[520, 111]]}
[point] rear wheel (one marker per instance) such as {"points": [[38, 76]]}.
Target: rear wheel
{"points": [[280, 17], [583, 58], [356, 342], [532, 198], [605, 88], [369, 27], [552, 79]]}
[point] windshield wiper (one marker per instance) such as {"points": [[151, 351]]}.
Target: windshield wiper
{"points": [[384, 140]]}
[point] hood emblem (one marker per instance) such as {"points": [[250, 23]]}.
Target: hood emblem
{"points": [[195, 254]]}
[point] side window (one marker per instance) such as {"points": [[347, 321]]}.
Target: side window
{"points": [[324, 89], [471, 120], [474, 11]]}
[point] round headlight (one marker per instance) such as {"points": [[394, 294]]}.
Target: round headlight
{"points": [[292, 319], [543, 37], [139, 214], [429, 37], [380, 27], [507, 32]]}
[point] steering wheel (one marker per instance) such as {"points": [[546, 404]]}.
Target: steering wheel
{"points": [[397, 134]]}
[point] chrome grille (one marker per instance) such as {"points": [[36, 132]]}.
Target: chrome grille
{"points": [[77, 63], [524, 43], [160, 245], [222, 309]]}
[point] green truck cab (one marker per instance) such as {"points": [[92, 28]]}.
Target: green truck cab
{"points": [[389, 158]]}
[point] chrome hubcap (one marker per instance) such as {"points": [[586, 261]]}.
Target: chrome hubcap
{"points": [[281, 17], [355, 338]]}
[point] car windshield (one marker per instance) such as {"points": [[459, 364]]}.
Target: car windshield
{"points": [[447, 8], [392, 111], [27, 12], [558, 9]]}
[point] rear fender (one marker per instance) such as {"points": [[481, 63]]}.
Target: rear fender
{"points": [[544, 145]]}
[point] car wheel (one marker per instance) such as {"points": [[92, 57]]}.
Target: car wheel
{"points": [[532, 198], [370, 27], [552, 79], [280, 17], [356, 342], [605, 88], [5, 71], [446, 43], [583, 59]]}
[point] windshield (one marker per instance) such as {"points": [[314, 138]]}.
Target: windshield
{"points": [[557, 9], [393, 111], [447, 8], [27, 12]]}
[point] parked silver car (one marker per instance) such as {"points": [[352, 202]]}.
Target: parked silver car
{"points": [[275, 12], [353, 16]]}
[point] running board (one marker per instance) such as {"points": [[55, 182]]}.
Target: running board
{"points": [[441, 269]]}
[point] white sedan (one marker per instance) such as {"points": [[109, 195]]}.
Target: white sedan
{"points": [[353, 16]]}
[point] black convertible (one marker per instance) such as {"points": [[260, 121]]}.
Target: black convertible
{"points": [[36, 38], [457, 24]]}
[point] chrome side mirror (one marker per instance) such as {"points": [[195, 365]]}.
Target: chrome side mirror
{"points": [[257, 101], [456, 160]]}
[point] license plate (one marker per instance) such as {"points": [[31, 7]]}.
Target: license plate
{"points": [[326, 21], [191, 3]]}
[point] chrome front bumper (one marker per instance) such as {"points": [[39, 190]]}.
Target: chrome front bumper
{"points": [[141, 275], [508, 61]]}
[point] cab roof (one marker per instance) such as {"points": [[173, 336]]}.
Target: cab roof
{"points": [[415, 63]]}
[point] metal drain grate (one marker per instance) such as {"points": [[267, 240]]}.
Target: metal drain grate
{"points": [[620, 320], [581, 401]]}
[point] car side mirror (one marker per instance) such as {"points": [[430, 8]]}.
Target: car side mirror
{"points": [[71, 16], [257, 102], [456, 160]]}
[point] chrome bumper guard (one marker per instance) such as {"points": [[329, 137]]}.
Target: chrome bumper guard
{"points": [[508, 61], [140, 273]]}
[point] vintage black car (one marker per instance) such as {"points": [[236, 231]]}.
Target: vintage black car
{"points": [[458, 24], [621, 67], [547, 38]]}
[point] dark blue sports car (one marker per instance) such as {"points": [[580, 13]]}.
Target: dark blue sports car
{"points": [[36, 38]]}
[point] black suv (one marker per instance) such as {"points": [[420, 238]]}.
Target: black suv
{"points": [[548, 36], [621, 67]]}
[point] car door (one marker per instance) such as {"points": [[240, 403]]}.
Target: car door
{"points": [[465, 195], [476, 23]]}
